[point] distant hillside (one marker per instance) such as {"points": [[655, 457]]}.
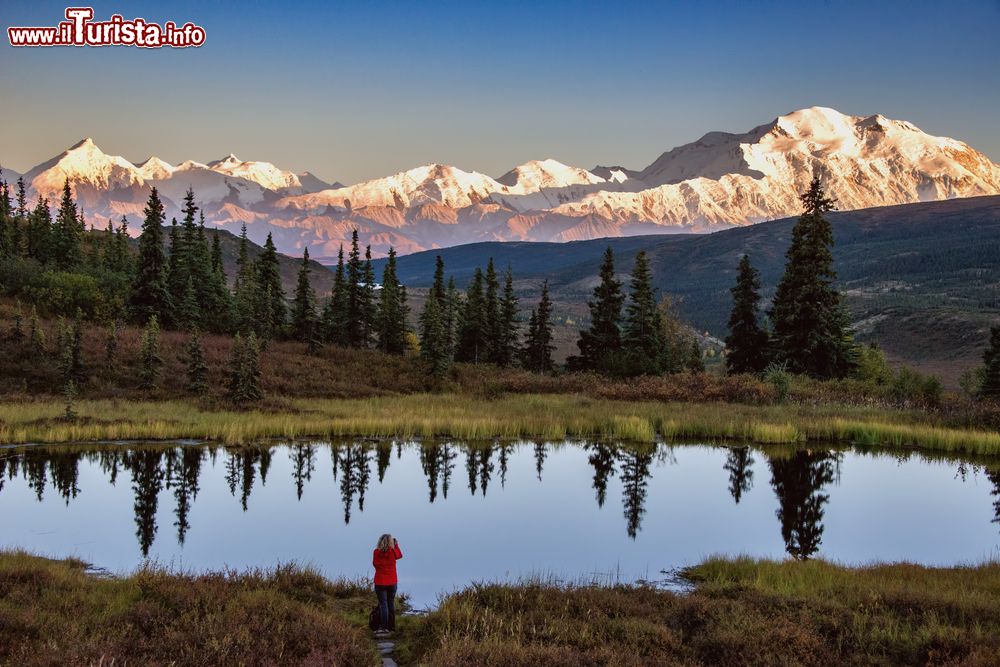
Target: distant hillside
{"points": [[321, 276], [923, 280]]}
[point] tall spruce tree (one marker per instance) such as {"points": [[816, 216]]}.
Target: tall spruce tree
{"points": [[217, 315], [600, 345], [369, 306], [304, 319], [392, 310], [356, 304], [537, 355], [991, 358], [244, 370], [335, 310], [176, 264], [473, 338], [71, 365], [492, 321], [810, 324], [244, 286], [38, 232], [67, 233], [6, 221], [149, 296], [150, 361], [506, 347], [451, 317], [747, 344], [117, 257], [271, 311], [433, 343], [642, 333]]}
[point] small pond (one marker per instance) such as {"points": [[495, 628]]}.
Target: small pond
{"points": [[485, 511]]}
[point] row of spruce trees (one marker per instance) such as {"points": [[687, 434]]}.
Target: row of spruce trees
{"points": [[808, 329], [807, 326]]}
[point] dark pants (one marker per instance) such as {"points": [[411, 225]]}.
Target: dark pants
{"points": [[386, 603]]}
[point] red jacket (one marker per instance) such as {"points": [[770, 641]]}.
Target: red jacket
{"points": [[385, 566]]}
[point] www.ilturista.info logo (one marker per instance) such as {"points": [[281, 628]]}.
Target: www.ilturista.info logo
{"points": [[80, 30]]}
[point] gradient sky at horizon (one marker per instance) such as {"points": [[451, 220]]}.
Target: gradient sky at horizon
{"points": [[352, 91]]}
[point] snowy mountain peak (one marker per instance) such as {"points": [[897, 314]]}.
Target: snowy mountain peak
{"points": [[534, 175], [83, 163], [86, 142], [154, 168], [227, 162]]}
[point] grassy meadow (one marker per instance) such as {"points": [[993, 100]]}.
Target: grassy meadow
{"points": [[739, 612], [533, 416]]}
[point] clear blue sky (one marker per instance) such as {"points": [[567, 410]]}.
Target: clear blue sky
{"points": [[359, 90]]}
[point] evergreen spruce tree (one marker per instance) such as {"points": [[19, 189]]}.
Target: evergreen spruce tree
{"points": [[199, 259], [492, 322], [507, 343], [150, 362], [538, 346], [600, 345], [304, 320], [22, 199], [355, 321], [116, 255], [19, 220], [6, 222], [473, 342], [197, 368], [810, 324], [177, 274], [71, 366], [451, 316], [38, 232], [149, 296], [67, 233], [69, 394], [217, 267], [244, 370], [991, 358], [369, 307], [433, 344], [642, 333], [747, 343], [335, 311], [271, 297], [187, 314], [219, 314], [244, 286], [392, 310], [439, 286]]}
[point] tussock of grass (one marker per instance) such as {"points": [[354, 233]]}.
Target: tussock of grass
{"points": [[511, 416], [742, 612], [53, 612]]}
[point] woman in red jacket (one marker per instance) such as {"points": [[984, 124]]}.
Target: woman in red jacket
{"points": [[384, 559]]}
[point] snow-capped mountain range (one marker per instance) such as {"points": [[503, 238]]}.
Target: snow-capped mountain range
{"points": [[718, 181]]}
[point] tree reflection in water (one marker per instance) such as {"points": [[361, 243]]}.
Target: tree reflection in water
{"points": [[739, 465], [798, 481], [799, 478]]}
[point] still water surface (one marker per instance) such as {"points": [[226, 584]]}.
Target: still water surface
{"points": [[492, 511]]}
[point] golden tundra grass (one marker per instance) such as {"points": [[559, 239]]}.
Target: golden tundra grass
{"points": [[549, 417]]}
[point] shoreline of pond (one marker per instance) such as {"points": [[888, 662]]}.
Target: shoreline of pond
{"points": [[811, 612]]}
